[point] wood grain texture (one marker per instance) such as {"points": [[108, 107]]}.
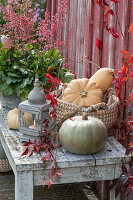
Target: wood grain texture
{"points": [[87, 19], [24, 185]]}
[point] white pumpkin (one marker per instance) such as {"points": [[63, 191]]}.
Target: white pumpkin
{"points": [[83, 135]]}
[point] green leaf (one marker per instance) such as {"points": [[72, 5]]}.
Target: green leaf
{"points": [[15, 55], [6, 90], [23, 71], [24, 95], [12, 74], [25, 82], [16, 67], [68, 77], [10, 80]]}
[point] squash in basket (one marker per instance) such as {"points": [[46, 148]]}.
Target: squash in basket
{"points": [[82, 92], [103, 78], [12, 119], [83, 134]]}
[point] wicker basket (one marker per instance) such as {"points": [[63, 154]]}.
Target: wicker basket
{"points": [[107, 111], [4, 165]]}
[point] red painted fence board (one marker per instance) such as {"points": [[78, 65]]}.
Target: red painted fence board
{"points": [[87, 19]]}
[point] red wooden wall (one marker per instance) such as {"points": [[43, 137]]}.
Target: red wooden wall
{"points": [[87, 19]]}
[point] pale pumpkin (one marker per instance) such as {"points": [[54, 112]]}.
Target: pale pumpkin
{"points": [[82, 92], [12, 119], [83, 136], [103, 78]]}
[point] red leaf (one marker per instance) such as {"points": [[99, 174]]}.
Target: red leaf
{"points": [[125, 52], [115, 1], [48, 76], [131, 29], [72, 119], [27, 143], [102, 3], [115, 126], [35, 141], [131, 74], [49, 183], [60, 174], [37, 149], [51, 141], [110, 11], [131, 98], [131, 59], [44, 158], [124, 69], [112, 31], [99, 44], [31, 153], [57, 80], [25, 152]]}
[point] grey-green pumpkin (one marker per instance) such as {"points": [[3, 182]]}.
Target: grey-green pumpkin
{"points": [[83, 135]]}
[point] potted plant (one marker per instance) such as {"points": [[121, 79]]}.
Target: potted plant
{"points": [[28, 50]]}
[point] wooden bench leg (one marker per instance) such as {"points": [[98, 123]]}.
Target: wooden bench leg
{"points": [[24, 185]]}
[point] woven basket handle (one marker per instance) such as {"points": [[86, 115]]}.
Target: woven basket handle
{"points": [[98, 106], [66, 115], [110, 93]]}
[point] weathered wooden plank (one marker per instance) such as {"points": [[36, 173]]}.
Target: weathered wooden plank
{"points": [[82, 174], [108, 51], [24, 185], [122, 30], [73, 5], [120, 149], [49, 5], [78, 36], [75, 160], [97, 34], [53, 7], [109, 155], [88, 36], [66, 30]]}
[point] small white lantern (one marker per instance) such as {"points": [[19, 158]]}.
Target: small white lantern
{"points": [[37, 109]]}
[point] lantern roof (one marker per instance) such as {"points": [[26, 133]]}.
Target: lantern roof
{"points": [[36, 96]]}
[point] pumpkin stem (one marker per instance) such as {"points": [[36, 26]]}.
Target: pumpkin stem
{"points": [[85, 116], [83, 94], [111, 71]]}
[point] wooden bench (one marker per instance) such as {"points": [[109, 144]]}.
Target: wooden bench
{"points": [[104, 165]]}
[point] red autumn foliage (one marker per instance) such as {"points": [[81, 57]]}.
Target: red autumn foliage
{"points": [[131, 29], [99, 44], [112, 31], [108, 11], [47, 144], [115, 1]]}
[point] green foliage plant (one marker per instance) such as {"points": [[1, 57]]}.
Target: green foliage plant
{"points": [[31, 48], [19, 68]]}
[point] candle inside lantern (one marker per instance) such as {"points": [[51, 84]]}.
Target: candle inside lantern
{"points": [[33, 126]]}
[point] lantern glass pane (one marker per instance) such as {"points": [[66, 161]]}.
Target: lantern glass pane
{"points": [[29, 120]]}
